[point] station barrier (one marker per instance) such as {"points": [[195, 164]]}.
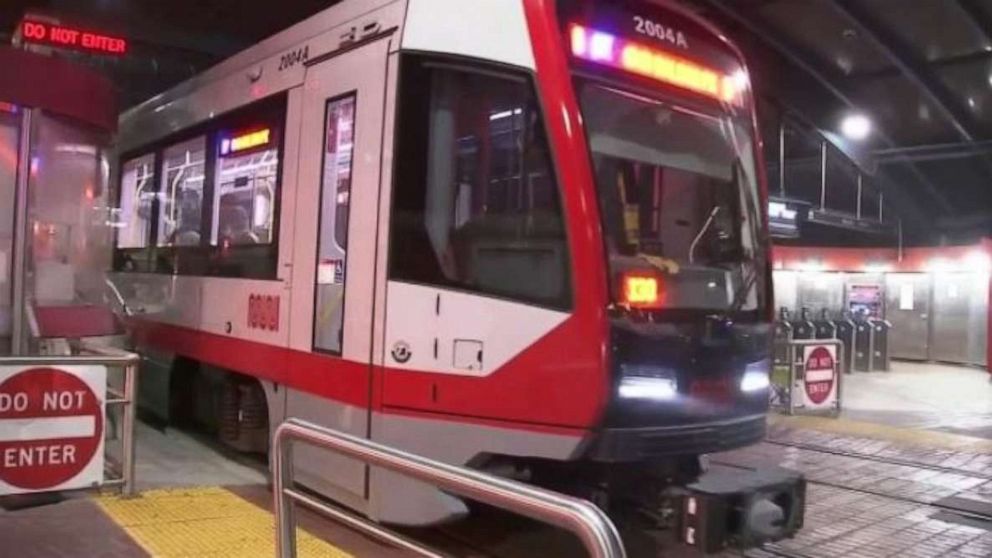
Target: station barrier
{"points": [[806, 376], [585, 520], [118, 369]]}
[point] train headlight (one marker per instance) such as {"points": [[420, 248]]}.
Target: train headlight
{"points": [[756, 376], [648, 382]]}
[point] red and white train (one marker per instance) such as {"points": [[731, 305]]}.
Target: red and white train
{"points": [[525, 236]]}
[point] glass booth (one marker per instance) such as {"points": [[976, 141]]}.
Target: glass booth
{"points": [[56, 123]]}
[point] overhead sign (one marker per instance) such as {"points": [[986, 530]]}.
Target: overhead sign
{"points": [[820, 375], [67, 36], [51, 427], [245, 141]]}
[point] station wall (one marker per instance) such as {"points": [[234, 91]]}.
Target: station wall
{"points": [[937, 298]]}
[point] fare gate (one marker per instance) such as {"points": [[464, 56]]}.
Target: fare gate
{"points": [[806, 378]]}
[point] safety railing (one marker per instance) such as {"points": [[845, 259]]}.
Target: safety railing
{"points": [[123, 396], [593, 528], [806, 376]]}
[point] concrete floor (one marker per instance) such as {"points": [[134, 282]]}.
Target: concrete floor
{"points": [[927, 396], [171, 458]]}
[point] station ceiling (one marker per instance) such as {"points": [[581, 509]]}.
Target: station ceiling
{"points": [[921, 70]]}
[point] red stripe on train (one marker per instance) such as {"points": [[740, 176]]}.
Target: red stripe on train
{"points": [[346, 381]]}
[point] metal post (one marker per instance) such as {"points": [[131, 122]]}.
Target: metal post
{"points": [[881, 202], [823, 174], [792, 378], [284, 507], [21, 235], [838, 373], [899, 234], [781, 157], [860, 188], [130, 411]]}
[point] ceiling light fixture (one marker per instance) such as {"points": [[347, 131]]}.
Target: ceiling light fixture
{"points": [[856, 127]]}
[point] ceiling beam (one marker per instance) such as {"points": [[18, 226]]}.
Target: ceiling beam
{"points": [[802, 59], [902, 55], [978, 19], [983, 56]]}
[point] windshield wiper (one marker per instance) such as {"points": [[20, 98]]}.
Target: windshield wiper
{"points": [[702, 231], [740, 295]]}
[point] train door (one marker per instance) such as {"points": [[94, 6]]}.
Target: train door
{"points": [[478, 259], [334, 258], [908, 308]]}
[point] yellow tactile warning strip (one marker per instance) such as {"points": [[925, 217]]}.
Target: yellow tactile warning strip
{"points": [[204, 522], [930, 438]]}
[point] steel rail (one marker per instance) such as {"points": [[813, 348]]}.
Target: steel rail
{"points": [[593, 528]]}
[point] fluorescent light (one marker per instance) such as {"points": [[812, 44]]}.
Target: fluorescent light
{"points": [[505, 114], [978, 261], [811, 265], [644, 387], [877, 268], [856, 127], [939, 265]]}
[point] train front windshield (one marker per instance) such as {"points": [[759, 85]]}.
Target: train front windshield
{"points": [[679, 201]]}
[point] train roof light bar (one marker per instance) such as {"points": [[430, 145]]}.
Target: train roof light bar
{"points": [[604, 48]]}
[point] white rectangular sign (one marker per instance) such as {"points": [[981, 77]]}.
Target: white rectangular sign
{"points": [[52, 424]]}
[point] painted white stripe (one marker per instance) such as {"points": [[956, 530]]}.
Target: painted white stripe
{"points": [[13, 430], [819, 375]]}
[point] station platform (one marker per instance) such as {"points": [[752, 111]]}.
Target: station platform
{"points": [[922, 396], [906, 470]]}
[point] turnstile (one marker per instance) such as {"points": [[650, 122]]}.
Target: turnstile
{"points": [[844, 329], [803, 328], [783, 334], [863, 333], [824, 328], [880, 344]]}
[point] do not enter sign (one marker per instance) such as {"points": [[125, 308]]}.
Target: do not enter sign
{"points": [[51, 427], [820, 378]]}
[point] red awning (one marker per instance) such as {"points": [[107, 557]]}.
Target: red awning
{"points": [[57, 86]]}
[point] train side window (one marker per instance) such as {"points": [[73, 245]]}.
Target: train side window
{"points": [[137, 194], [332, 242], [245, 188], [476, 205], [181, 193]]}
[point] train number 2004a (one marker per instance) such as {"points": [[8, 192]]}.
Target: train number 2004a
{"points": [[294, 57]]}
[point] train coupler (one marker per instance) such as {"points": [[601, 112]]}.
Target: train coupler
{"points": [[730, 508]]}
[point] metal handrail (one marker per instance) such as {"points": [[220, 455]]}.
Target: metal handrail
{"points": [[110, 357], [585, 520]]}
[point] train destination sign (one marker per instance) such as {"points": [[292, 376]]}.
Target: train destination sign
{"points": [[51, 427], [67, 36]]}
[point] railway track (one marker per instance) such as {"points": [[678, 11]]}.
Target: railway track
{"points": [[496, 534], [880, 459]]}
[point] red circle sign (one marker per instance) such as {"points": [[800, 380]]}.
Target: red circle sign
{"points": [[819, 376], [51, 424]]}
